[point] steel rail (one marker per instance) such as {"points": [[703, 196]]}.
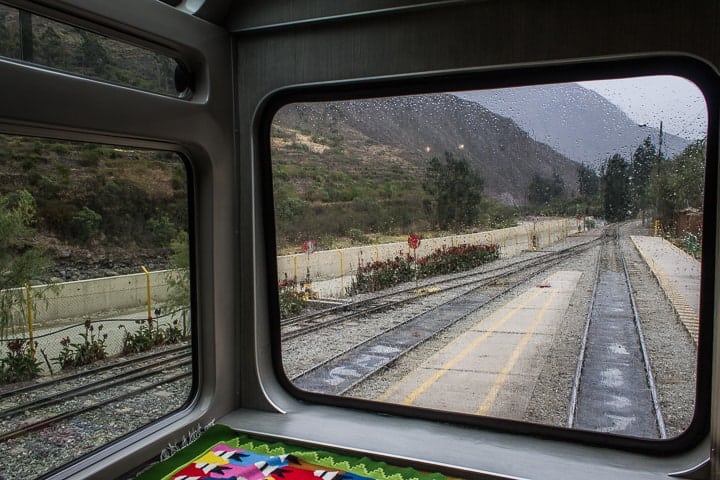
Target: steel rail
{"points": [[137, 374], [90, 371], [429, 283], [409, 323], [78, 411], [572, 406], [643, 348], [505, 271]]}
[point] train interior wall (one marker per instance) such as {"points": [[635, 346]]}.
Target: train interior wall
{"points": [[260, 48]]}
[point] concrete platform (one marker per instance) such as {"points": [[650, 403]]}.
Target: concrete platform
{"points": [[679, 276], [493, 367]]}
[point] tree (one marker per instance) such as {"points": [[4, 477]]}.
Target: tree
{"points": [[20, 262], [179, 280], [688, 176], [50, 49], [456, 190], [543, 190], [679, 182], [92, 55], [616, 189], [643, 163], [9, 37], [588, 181]]}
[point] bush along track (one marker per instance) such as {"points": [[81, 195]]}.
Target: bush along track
{"points": [[374, 276]]}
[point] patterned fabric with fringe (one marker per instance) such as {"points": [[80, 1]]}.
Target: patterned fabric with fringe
{"points": [[221, 453]]}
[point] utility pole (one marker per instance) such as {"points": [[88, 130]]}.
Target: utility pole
{"points": [[660, 139]]}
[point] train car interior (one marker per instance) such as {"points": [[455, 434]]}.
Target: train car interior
{"points": [[269, 162]]}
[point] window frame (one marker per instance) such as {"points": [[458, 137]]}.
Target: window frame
{"points": [[75, 108], [678, 65]]}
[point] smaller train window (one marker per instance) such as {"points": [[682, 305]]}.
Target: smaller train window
{"points": [[95, 320], [36, 39], [528, 253]]}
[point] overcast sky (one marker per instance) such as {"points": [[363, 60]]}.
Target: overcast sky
{"points": [[675, 101]]}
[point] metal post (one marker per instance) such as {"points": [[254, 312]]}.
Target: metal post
{"points": [[149, 301], [342, 271], [28, 293]]}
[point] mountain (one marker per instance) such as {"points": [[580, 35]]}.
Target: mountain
{"points": [[404, 133], [577, 122]]}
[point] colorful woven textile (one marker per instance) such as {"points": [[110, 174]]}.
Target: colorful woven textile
{"points": [[220, 453]]}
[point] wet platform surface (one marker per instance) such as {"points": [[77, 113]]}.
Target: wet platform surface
{"points": [[492, 368], [679, 276]]}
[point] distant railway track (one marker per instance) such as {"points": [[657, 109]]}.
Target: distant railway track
{"points": [[613, 388], [462, 283], [343, 371], [39, 406]]}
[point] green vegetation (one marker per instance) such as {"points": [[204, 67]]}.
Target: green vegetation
{"points": [[543, 190], [85, 193], [291, 300], [20, 262], [64, 47], [654, 185], [616, 189], [150, 334], [19, 363], [455, 191], [91, 349], [179, 280], [381, 274]]}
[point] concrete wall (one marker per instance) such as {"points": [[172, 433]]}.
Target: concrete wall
{"points": [[73, 300], [339, 265], [331, 271]]}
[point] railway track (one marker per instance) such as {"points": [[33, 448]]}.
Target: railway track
{"points": [[462, 283], [46, 404], [346, 369], [613, 389]]}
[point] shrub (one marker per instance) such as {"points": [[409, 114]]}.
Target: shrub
{"points": [[382, 274], [86, 223], [90, 350], [151, 334], [142, 340], [160, 230], [19, 363], [291, 300]]}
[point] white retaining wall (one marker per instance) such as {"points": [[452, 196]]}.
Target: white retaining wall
{"points": [[338, 266], [73, 300], [332, 269]]}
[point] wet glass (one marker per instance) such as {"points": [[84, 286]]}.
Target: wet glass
{"points": [[471, 251]]}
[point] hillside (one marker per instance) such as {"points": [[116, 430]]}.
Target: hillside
{"points": [[397, 136], [98, 207], [573, 120]]}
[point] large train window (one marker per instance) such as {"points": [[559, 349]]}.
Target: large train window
{"points": [[529, 253], [94, 297]]}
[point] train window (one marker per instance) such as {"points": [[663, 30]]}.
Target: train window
{"points": [[94, 297], [36, 39], [528, 253]]}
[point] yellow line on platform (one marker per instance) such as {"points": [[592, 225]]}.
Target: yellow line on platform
{"points": [[503, 375], [451, 363]]}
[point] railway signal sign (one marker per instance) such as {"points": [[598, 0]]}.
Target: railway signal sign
{"points": [[308, 246], [414, 241]]}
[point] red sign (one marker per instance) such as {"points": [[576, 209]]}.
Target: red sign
{"points": [[413, 241], [309, 246]]}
